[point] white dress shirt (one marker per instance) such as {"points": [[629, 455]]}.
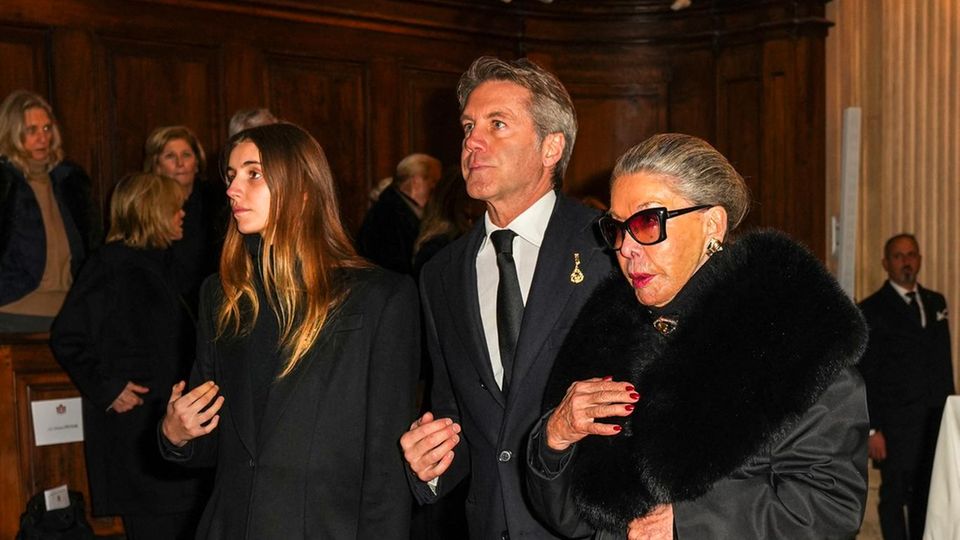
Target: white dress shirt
{"points": [[530, 227], [903, 294]]}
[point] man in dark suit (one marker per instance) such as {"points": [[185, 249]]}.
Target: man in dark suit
{"points": [[908, 372], [499, 301], [392, 224]]}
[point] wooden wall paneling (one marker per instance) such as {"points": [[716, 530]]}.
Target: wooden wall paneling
{"points": [[10, 495], [328, 98], [147, 85], [693, 92], [77, 105], [23, 56], [739, 120], [29, 372], [776, 197], [244, 82], [611, 118], [809, 179], [389, 138], [432, 123]]}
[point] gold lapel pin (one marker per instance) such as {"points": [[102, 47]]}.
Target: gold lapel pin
{"points": [[576, 276]]}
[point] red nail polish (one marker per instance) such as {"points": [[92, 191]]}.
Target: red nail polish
{"points": [[630, 388], [634, 395], [617, 428], [628, 407]]}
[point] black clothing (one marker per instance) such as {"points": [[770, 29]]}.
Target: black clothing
{"points": [[751, 422], [124, 321], [23, 245], [909, 374], [324, 462], [495, 426], [389, 231], [197, 254]]}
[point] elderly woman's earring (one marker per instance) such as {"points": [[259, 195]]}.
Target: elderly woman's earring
{"points": [[713, 246]]}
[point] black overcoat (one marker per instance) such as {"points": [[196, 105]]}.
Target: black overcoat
{"points": [[752, 420], [326, 462], [124, 321]]}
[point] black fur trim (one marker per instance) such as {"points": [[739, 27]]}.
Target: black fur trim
{"points": [[767, 330]]}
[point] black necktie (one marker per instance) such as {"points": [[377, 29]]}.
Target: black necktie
{"points": [[509, 302], [914, 306]]}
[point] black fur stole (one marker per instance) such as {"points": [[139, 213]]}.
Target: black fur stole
{"points": [[764, 329]]}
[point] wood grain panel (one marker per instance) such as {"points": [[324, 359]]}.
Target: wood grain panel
{"points": [[23, 57], [739, 127], [611, 120], [328, 98], [148, 85], [432, 114], [28, 369]]}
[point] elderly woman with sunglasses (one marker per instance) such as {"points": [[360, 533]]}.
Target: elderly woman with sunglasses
{"points": [[724, 403]]}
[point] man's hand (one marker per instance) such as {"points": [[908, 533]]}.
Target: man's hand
{"points": [[129, 397], [428, 446], [877, 447]]}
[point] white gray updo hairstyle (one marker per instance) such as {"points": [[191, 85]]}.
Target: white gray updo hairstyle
{"points": [[698, 172]]}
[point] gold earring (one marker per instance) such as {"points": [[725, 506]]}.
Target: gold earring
{"points": [[713, 247]]}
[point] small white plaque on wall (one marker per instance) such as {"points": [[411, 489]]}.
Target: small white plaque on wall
{"points": [[57, 421]]}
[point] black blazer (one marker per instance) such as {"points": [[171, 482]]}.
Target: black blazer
{"points": [[907, 369], [325, 464], [124, 321], [495, 428]]}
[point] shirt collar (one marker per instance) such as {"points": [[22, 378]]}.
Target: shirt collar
{"points": [[902, 291], [531, 224]]}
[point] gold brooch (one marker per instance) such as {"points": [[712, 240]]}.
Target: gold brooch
{"points": [[576, 276], [665, 325]]}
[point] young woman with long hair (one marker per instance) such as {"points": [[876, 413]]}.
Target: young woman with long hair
{"points": [[306, 363]]}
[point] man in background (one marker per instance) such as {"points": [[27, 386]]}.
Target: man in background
{"points": [[908, 373], [392, 224], [248, 118]]}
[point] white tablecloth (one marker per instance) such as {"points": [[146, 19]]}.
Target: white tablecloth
{"points": [[943, 508]]}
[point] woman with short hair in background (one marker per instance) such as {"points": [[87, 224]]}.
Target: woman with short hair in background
{"points": [[176, 152], [124, 336]]}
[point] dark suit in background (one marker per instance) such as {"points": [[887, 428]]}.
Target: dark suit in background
{"points": [[389, 231], [908, 372], [494, 427]]}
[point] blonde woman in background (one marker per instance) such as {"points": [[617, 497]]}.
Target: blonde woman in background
{"points": [[47, 221], [125, 336], [176, 152]]}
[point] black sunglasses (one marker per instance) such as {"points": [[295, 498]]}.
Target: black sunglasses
{"points": [[647, 227]]}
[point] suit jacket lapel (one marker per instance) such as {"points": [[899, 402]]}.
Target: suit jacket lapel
{"points": [[551, 286], [460, 288]]}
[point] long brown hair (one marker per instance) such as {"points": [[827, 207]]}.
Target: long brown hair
{"points": [[304, 244]]}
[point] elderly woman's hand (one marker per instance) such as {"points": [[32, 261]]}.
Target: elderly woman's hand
{"points": [[586, 401], [657, 525]]}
